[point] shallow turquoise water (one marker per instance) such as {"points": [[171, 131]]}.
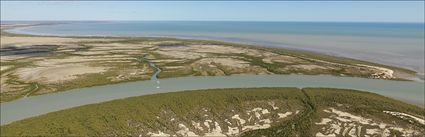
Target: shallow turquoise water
{"points": [[399, 44]]}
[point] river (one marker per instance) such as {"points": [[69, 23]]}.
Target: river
{"points": [[409, 91]]}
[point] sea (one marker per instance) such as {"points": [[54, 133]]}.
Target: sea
{"points": [[398, 44]]}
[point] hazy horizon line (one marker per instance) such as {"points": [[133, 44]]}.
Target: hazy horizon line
{"points": [[205, 21]]}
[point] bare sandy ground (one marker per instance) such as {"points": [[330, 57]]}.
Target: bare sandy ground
{"points": [[252, 118], [225, 62], [308, 67], [3, 68], [340, 123], [281, 59], [180, 54], [23, 41], [57, 73], [120, 59]]}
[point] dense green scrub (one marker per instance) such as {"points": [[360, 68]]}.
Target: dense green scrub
{"points": [[138, 115]]}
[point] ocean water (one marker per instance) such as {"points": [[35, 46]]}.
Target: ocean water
{"points": [[399, 44]]}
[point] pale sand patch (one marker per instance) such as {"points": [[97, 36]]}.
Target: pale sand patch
{"points": [[26, 41], [273, 105], [5, 87], [181, 54], [225, 62], [118, 61], [382, 72], [220, 49], [324, 121], [352, 132], [165, 60], [159, 134], [402, 115], [257, 115], [65, 50], [184, 131], [322, 135], [267, 121], [352, 125], [57, 74], [349, 117], [215, 132], [308, 67], [284, 115], [207, 124], [232, 131], [197, 125], [2, 68], [90, 52], [166, 43], [120, 46], [256, 126], [265, 111], [372, 131], [281, 59], [78, 59], [241, 121], [11, 57], [174, 67], [128, 51], [257, 109]]}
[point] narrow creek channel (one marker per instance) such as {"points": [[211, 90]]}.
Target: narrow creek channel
{"points": [[155, 74], [156, 70]]}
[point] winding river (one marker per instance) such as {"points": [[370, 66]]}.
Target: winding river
{"points": [[412, 92]]}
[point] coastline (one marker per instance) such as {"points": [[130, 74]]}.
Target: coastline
{"points": [[39, 104], [418, 76], [403, 73], [308, 56]]}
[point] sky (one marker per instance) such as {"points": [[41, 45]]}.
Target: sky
{"points": [[322, 11]]}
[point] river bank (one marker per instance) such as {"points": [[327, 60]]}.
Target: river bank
{"points": [[411, 92], [233, 112]]}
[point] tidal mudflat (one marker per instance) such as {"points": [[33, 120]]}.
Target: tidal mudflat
{"points": [[36, 65], [395, 44]]}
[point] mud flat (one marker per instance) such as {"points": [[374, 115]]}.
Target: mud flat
{"points": [[54, 64]]}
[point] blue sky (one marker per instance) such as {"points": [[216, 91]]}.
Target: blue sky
{"points": [[360, 11]]}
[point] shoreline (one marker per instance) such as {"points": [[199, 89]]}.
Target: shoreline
{"points": [[98, 94], [417, 76], [410, 75], [159, 54]]}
